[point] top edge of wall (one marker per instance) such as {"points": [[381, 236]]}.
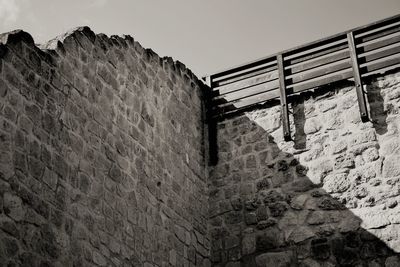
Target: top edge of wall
{"points": [[58, 44]]}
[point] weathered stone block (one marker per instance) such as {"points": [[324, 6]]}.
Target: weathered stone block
{"points": [[9, 227], [231, 242], [371, 154], [316, 218], [272, 196], [250, 218], [262, 184], [312, 125], [390, 146], [99, 259], [251, 204], [298, 202], [392, 261], [13, 206], [278, 259], [50, 178], [270, 239], [327, 203], [349, 223], [262, 213], [344, 161], [233, 217], [115, 174], [251, 162], [365, 136], [36, 167], [9, 246], [336, 183], [371, 218], [248, 244], [236, 203], [300, 234], [277, 209], [391, 166]]}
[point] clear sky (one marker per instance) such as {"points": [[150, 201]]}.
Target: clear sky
{"points": [[206, 35]]}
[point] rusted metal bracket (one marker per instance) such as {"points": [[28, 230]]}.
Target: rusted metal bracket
{"points": [[283, 98], [357, 78]]}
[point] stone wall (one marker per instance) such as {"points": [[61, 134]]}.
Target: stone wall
{"points": [[103, 162], [327, 198], [102, 158]]}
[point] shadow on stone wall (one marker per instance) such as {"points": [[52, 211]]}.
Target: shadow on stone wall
{"points": [[265, 210], [378, 114], [299, 120]]}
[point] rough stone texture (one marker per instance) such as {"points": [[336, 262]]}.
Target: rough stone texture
{"points": [[102, 158], [328, 198], [103, 163]]}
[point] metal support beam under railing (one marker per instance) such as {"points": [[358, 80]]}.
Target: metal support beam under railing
{"points": [[283, 98], [357, 77]]}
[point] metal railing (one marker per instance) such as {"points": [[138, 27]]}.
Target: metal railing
{"points": [[353, 54]]}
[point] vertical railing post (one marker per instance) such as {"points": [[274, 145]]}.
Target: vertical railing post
{"points": [[212, 125], [283, 98], [357, 77]]}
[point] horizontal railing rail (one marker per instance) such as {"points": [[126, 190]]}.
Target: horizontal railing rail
{"points": [[353, 54]]}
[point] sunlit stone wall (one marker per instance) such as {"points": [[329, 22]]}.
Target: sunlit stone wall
{"points": [[102, 159], [330, 197]]}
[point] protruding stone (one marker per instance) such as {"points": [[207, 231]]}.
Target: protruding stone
{"points": [[251, 204], [344, 162], [269, 239], [336, 183], [298, 202], [371, 154], [13, 206], [339, 147], [277, 209], [300, 234], [273, 196], [316, 218]]}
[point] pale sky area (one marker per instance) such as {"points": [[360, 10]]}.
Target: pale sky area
{"points": [[206, 35]]}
